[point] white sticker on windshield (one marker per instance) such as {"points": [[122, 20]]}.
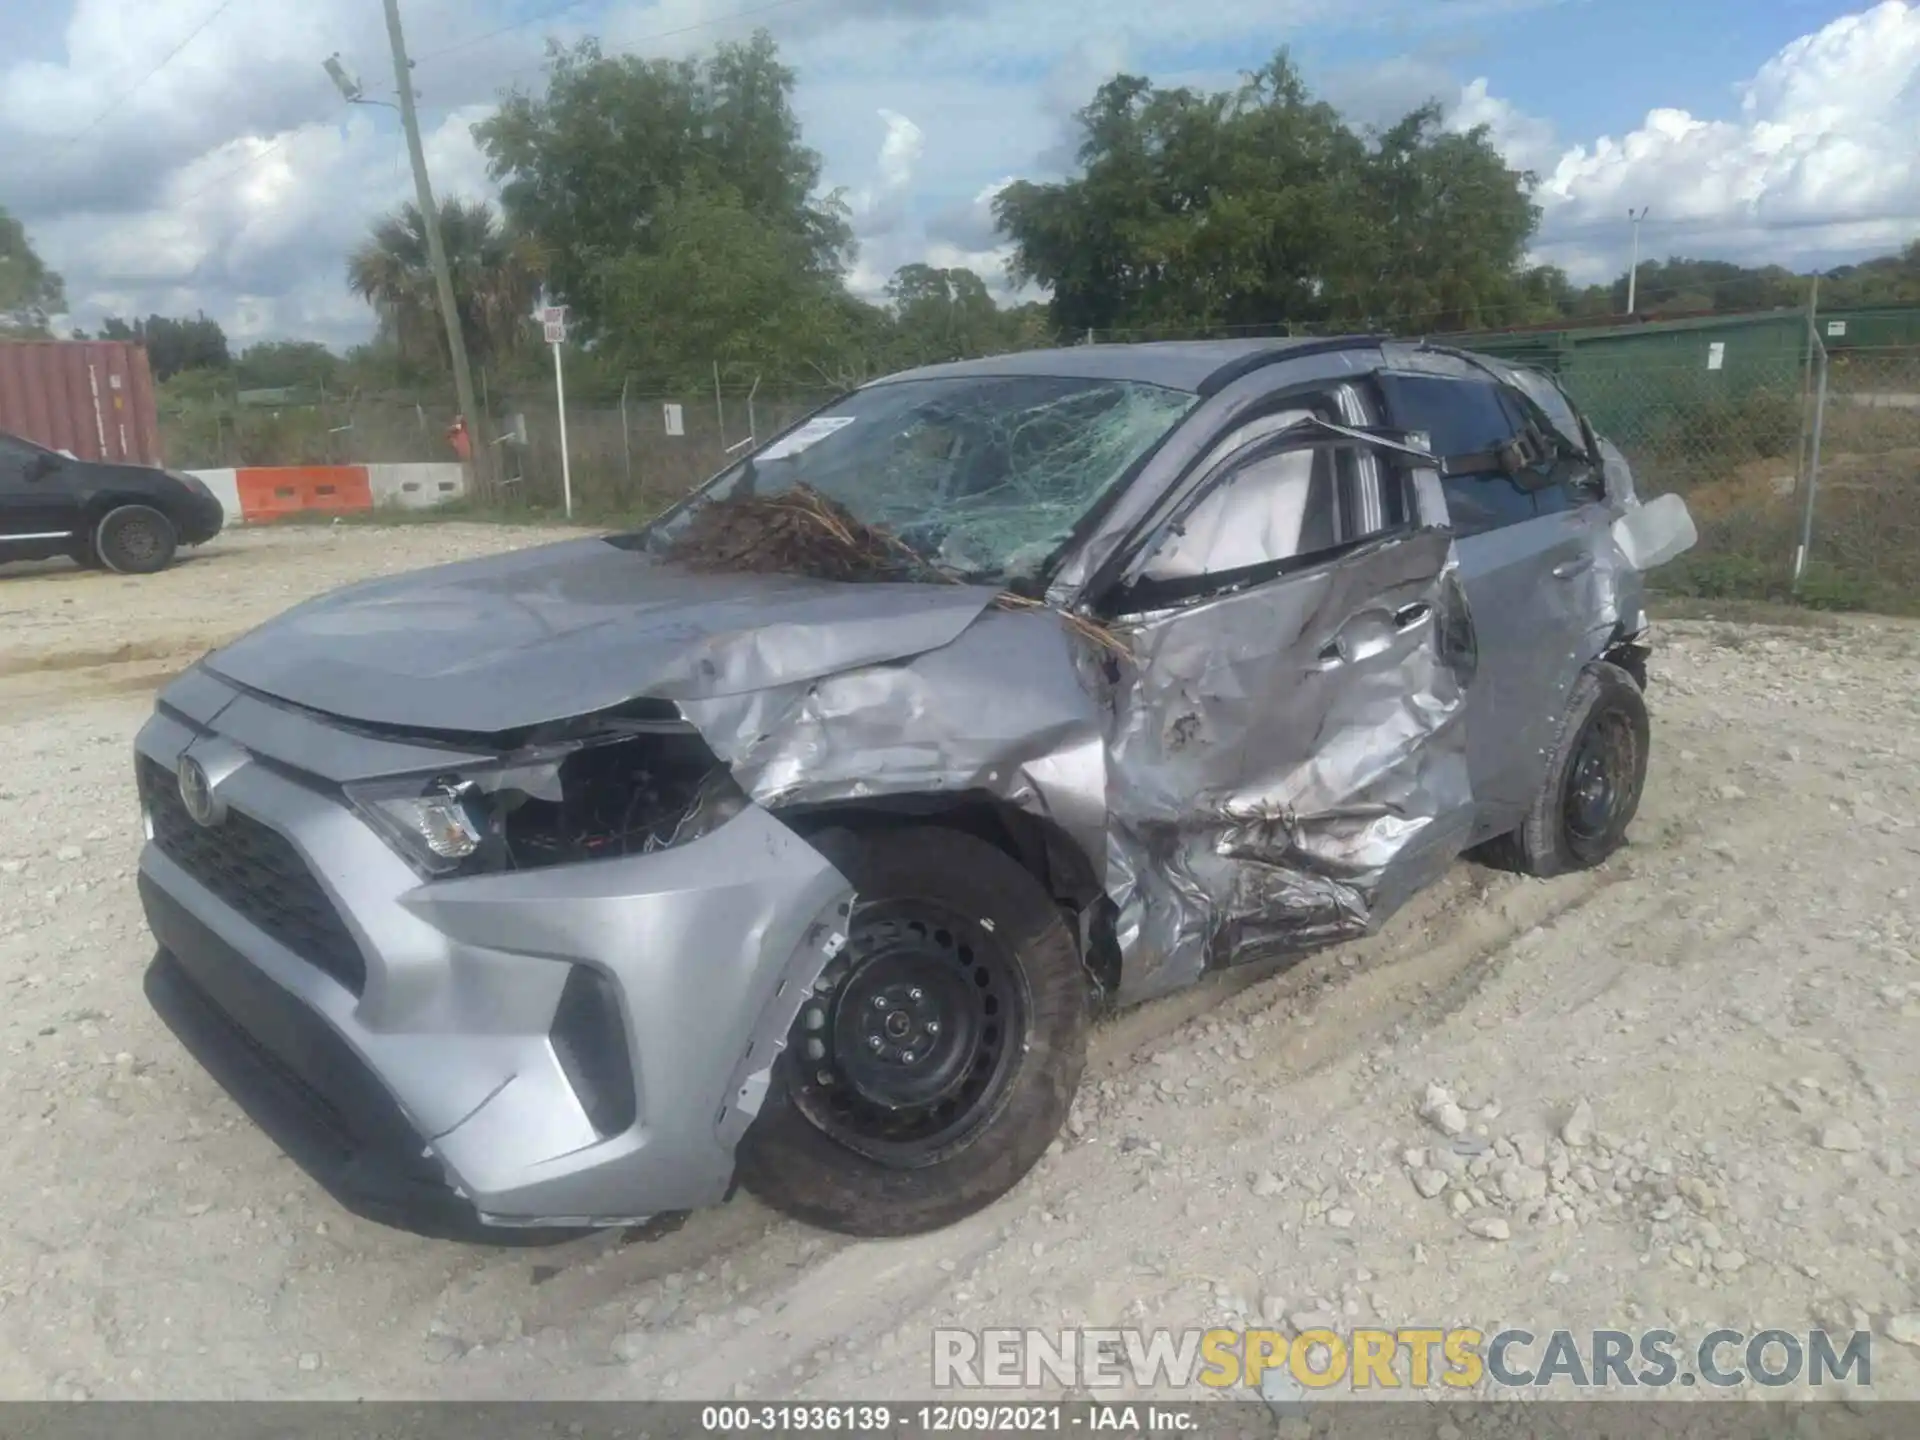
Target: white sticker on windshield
{"points": [[809, 434]]}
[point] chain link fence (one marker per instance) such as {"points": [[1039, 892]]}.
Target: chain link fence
{"points": [[1799, 490], [1748, 438]]}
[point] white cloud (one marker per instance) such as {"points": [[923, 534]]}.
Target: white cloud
{"points": [[1527, 141], [1823, 158], [234, 179]]}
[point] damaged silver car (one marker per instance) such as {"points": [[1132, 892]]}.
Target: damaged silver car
{"points": [[574, 886]]}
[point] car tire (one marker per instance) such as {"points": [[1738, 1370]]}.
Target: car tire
{"points": [[1593, 784], [135, 540], [946, 928]]}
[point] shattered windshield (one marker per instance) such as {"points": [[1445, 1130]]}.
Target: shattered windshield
{"points": [[980, 477]]}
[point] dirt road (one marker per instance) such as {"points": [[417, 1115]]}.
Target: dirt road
{"points": [[1685, 1086]]}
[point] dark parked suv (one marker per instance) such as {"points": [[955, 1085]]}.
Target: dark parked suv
{"points": [[129, 518]]}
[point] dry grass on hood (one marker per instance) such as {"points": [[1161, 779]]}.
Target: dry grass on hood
{"points": [[802, 532], [795, 532]]}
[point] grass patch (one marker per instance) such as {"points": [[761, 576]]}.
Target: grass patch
{"points": [[1719, 579], [1741, 612]]}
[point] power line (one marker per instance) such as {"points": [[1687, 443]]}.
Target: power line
{"points": [[687, 29], [246, 164], [534, 19], [129, 92]]}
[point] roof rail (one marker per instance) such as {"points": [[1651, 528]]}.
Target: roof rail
{"points": [[1259, 359]]}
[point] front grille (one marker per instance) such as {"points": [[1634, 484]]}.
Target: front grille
{"points": [[255, 870]]}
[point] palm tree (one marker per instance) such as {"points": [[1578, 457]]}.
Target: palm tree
{"points": [[496, 276]]}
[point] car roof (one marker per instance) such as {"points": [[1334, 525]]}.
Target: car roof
{"points": [[1198, 365]]}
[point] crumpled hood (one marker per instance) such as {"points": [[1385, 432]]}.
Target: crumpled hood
{"points": [[562, 630]]}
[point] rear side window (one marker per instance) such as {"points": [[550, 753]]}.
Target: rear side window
{"points": [[1464, 417]]}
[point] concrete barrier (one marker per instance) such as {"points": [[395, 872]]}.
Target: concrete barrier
{"points": [[417, 486], [253, 493]]}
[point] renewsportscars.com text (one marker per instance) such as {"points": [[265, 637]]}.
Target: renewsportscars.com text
{"points": [[1454, 1360]]}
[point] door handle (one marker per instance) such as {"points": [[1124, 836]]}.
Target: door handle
{"points": [[1332, 653], [1578, 565], [1409, 616]]}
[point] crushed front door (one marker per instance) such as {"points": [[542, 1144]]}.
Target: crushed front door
{"points": [[1286, 754]]}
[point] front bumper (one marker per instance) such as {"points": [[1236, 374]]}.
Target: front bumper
{"points": [[203, 518], [403, 1042]]}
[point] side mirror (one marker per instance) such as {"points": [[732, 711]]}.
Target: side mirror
{"points": [[41, 466]]}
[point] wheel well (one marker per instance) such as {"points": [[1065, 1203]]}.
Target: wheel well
{"points": [[1630, 654], [1040, 846]]}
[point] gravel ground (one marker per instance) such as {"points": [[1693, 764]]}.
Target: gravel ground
{"points": [[1677, 1091]]}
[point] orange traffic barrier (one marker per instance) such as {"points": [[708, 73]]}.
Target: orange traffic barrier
{"points": [[269, 491]]}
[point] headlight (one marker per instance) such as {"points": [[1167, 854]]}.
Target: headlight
{"points": [[594, 799]]}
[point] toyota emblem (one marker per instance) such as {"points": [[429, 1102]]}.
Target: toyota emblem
{"points": [[196, 792]]}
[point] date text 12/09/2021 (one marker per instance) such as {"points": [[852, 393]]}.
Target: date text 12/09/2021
{"points": [[871, 1419]]}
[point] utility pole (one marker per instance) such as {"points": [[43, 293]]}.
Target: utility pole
{"points": [[1633, 269], [437, 253]]}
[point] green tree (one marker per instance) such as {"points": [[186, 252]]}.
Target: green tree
{"points": [[944, 314], [1441, 232], [30, 293], [620, 157], [1884, 280], [496, 278], [719, 286], [173, 344], [1677, 285], [1199, 211], [284, 364]]}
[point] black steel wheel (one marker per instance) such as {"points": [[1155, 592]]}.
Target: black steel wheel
{"points": [[1593, 785], [904, 1049], [937, 1055], [135, 540]]}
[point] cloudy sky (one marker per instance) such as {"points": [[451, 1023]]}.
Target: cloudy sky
{"points": [[179, 155]]}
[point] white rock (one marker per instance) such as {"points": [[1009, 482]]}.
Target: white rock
{"points": [[1268, 1185], [1341, 1219], [1490, 1227], [1532, 1150], [1429, 1182], [1440, 1110], [1729, 1260], [1903, 1328], [1461, 1202], [309, 1361], [68, 853], [1273, 1308], [1841, 1135], [1521, 1185], [1577, 1130]]}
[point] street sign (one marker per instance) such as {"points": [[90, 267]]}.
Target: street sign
{"points": [[553, 319], [676, 419]]}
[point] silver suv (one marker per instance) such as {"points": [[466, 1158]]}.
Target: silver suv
{"points": [[573, 886]]}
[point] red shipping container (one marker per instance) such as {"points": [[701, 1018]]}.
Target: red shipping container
{"points": [[91, 398]]}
